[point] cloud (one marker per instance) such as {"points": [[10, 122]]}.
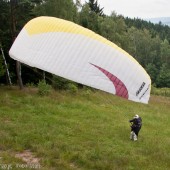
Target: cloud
{"points": [[136, 8]]}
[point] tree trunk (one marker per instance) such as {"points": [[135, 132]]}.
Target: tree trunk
{"points": [[14, 4], [44, 76], [18, 69]]}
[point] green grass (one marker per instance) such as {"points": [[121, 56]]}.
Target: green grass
{"points": [[160, 91], [83, 131]]}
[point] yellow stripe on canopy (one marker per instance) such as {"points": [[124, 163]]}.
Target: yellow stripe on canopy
{"points": [[46, 24], [50, 24]]}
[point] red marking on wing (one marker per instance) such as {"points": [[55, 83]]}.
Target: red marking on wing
{"points": [[120, 87]]}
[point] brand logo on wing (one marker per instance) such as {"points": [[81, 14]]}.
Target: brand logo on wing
{"points": [[140, 89], [120, 87]]}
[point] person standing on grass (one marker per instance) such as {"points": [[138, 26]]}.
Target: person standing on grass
{"points": [[135, 127]]}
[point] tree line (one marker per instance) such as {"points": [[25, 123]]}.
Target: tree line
{"points": [[148, 43]]}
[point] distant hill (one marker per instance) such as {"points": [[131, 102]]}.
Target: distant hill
{"points": [[163, 20]]}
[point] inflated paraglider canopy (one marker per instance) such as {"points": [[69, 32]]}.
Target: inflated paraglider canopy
{"points": [[71, 51]]}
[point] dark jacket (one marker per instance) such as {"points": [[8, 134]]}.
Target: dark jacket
{"points": [[137, 122]]}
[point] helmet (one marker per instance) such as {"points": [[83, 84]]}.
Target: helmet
{"points": [[136, 117]]}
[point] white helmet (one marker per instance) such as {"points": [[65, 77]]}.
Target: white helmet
{"points": [[136, 116]]}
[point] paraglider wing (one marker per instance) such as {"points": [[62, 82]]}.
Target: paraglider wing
{"points": [[68, 50]]}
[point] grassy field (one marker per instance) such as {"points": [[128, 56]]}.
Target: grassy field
{"points": [[83, 131]]}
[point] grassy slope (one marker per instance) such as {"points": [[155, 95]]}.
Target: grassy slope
{"points": [[88, 131]]}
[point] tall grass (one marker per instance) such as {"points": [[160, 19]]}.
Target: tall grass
{"points": [[161, 91], [86, 130]]}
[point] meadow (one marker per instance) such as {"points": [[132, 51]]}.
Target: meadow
{"points": [[86, 130]]}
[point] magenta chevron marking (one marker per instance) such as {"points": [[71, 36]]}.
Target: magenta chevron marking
{"points": [[120, 87]]}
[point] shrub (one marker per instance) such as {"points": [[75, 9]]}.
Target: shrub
{"points": [[43, 88], [64, 84], [30, 85], [60, 83], [72, 88]]}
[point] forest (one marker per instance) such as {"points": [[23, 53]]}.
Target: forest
{"points": [[148, 43]]}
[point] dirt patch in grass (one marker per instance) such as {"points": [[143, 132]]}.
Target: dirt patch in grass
{"points": [[27, 157]]}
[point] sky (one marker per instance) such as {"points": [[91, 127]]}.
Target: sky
{"points": [[142, 9]]}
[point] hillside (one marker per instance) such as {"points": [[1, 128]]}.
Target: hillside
{"points": [[163, 20], [88, 130]]}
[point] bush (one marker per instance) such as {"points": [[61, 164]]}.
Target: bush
{"points": [[30, 85], [60, 83], [72, 88], [87, 91], [43, 88]]}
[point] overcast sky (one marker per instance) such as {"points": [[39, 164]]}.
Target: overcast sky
{"points": [[136, 8]]}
